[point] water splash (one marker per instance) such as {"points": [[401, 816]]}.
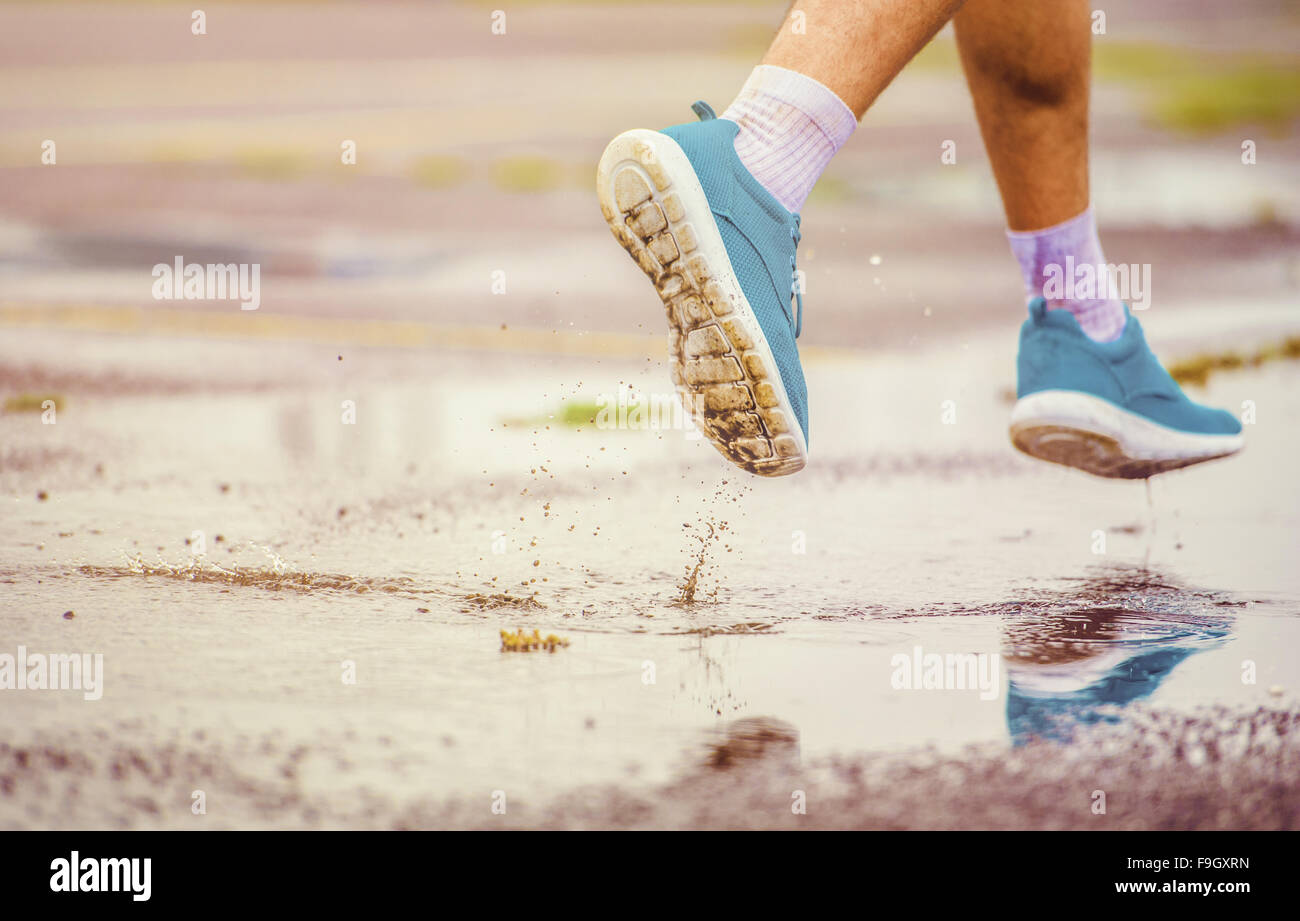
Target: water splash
{"points": [[277, 576]]}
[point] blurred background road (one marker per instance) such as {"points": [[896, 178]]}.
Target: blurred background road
{"points": [[475, 152]]}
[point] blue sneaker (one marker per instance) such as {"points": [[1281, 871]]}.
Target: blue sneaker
{"points": [[720, 251], [1108, 407]]}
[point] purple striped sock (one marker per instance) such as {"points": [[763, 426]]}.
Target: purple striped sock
{"points": [[790, 127], [1048, 261]]}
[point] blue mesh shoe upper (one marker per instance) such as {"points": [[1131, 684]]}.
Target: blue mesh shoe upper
{"points": [[760, 236], [1056, 354]]}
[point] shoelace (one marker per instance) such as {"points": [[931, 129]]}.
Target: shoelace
{"points": [[794, 280]]}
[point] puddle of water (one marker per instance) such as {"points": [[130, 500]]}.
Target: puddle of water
{"points": [[707, 623]]}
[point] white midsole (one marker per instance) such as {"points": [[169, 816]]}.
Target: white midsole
{"points": [[695, 204], [1139, 437]]}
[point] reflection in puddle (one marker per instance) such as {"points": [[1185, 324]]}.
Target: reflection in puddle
{"points": [[1073, 655], [1123, 634], [753, 740]]}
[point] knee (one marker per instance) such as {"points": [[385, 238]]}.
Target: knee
{"points": [[1035, 80]]}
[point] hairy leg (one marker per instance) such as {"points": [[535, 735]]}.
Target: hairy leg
{"points": [[1028, 66], [856, 47]]}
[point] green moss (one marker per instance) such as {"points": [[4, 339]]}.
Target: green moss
{"points": [[1199, 92], [1196, 369], [577, 413], [32, 402], [1185, 90], [527, 174], [1139, 62], [439, 171], [572, 413], [1252, 94]]}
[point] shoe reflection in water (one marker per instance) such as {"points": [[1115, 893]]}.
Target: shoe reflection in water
{"points": [[1083, 666]]}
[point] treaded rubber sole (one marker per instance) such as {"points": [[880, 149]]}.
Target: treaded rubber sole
{"points": [[722, 367], [1081, 431]]}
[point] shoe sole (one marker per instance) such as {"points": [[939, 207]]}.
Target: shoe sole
{"points": [[1091, 434], [722, 366]]}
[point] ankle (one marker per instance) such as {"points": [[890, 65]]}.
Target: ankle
{"points": [[790, 127]]}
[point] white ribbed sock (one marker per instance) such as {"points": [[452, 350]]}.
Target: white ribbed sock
{"points": [[790, 127]]}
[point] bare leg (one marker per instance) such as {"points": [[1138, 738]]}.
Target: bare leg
{"points": [[1027, 63], [1028, 66], [856, 47]]}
